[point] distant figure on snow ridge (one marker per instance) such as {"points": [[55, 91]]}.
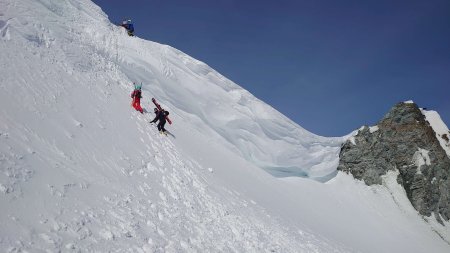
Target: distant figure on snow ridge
{"points": [[136, 95], [129, 26], [161, 116]]}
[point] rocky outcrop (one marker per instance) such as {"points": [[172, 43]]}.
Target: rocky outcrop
{"points": [[403, 140]]}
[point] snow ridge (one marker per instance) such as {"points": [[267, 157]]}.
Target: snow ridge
{"points": [[440, 128]]}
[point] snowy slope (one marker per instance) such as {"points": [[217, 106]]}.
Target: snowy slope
{"points": [[81, 171], [226, 113]]}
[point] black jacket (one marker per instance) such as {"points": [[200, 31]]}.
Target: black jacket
{"points": [[161, 116]]}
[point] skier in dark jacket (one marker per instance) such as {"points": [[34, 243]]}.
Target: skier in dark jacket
{"points": [[161, 116], [129, 26]]}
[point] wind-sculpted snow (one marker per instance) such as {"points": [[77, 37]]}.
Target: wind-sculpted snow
{"points": [[81, 171], [232, 116], [227, 113]]}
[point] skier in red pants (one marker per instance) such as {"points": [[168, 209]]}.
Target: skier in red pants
{"points": [[137, 95]]}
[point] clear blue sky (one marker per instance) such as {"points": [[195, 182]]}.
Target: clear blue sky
{"points": [[331, 66]]}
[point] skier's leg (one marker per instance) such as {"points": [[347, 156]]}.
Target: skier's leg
{"points": [[137, 105]]}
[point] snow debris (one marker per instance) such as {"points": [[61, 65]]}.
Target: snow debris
{"points": [[352, 140], [421, 158], [373, 129], [106, 234], [3, 188], [70, 246]]}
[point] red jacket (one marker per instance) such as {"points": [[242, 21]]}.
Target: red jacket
{"points": [[136, 93]]}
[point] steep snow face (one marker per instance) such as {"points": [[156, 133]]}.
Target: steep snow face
{"points": [[230, 115], [81, 171], [191, 90], [224, 112]]}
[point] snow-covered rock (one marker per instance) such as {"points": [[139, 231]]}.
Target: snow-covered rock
{"points": [[404, 141]]}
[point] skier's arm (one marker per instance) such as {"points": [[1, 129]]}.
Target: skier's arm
{"points": [[156, 118]]}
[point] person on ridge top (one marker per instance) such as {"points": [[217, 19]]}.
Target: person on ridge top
{"points": [[129, 26]]}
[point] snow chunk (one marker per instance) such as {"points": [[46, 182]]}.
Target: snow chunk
{"points": [[352, 140], [440, 128], [351, 137], [106, 234], [409, 102], [3, 188], [373, 129], [70, 246], [421, 158]]}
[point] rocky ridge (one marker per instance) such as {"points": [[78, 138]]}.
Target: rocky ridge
{"points": [[403, 140]]}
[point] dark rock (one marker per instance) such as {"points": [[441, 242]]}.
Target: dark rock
{"points": [[405, 142]]}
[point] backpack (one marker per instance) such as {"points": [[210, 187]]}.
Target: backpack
{"points": [[136, 93]]}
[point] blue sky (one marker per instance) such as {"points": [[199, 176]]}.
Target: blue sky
{"points": [[331, 66]]}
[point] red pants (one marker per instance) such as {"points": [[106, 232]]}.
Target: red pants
{"points": [[137, 104]]}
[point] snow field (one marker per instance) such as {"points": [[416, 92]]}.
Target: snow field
{"points": [[81, 171]]}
